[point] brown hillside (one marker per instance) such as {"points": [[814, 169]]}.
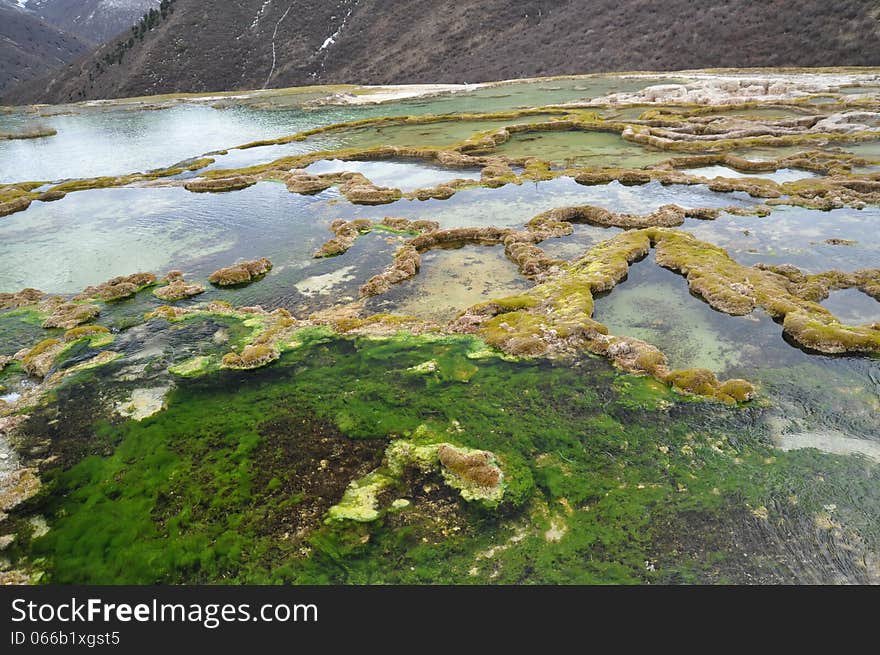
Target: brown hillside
{"points": [[209, 45]]}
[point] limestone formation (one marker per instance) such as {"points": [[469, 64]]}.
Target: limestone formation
{"points": [[242, 273], [118, 288]]}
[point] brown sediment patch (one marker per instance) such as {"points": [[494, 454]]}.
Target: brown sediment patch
{"points": [[476, 467], [302, 456], [242, 273]]}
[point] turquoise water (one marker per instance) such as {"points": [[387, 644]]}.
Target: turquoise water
{"points": [[114, 140], [90, 236]]}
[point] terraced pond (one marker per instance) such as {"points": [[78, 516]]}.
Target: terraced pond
{"points": [[548, 331]]}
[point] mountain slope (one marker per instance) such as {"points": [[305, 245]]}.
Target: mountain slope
{"points": [[94, 20], [30, 48], [209, 45]]}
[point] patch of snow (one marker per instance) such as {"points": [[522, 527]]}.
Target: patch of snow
{"points": [[330, 40], [260, 13], [373, 95], [274, 34]]}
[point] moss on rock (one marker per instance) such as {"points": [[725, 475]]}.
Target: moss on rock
{"points": [[242, 273], [118, 288]]}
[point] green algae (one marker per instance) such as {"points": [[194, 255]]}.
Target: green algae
{"points": [[602, 463], [21, 327]]}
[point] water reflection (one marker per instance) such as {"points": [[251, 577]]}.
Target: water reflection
{"points": [[781, 176], [812, 240], [395, 174], [853, 307]]}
